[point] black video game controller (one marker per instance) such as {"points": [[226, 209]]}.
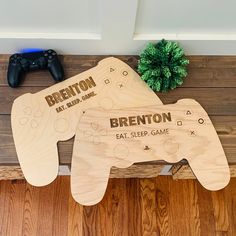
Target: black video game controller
{"points": [[20, 63]]}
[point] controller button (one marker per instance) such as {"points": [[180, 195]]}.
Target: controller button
{"points": [[27, 110], [61, 125], [50, 57], [107, 81], [34, 124], [125, 73], [49, 51], [179, 123], [45, 54], [146, 148], [200, 121], [38, 114], [121, 151], [120, 85], [23, 120], [112, 69], [170, 146], [188, 113], [192, 133], [54, 54]]}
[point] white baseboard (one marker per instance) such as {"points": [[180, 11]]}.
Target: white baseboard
{"points": [[95, 44]]}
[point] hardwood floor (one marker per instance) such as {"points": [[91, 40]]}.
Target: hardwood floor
{"points": [[145, 207]]}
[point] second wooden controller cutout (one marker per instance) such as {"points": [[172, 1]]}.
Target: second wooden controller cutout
{"points": [[42, 119], [160, 132]]}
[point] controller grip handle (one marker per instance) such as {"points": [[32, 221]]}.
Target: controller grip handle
{"points": [[13, 75], [56, 70], [89, 180], [212, 173]]}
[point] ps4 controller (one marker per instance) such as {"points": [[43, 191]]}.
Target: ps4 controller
{"points": [[42, 119], [20, 63], [162, 132]]}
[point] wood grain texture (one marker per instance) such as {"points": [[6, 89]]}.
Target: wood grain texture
{"points": [[225, 127], [131, 207], [42, 119], [122, 137]]}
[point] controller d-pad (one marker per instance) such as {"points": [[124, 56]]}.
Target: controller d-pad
{"points": [[94, 125], [93, 135]]}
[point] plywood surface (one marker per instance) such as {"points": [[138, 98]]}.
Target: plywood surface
{"points": [[122, 137], [39, 120]]}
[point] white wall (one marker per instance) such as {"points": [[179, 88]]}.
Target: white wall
{"points": [[117, 26]]}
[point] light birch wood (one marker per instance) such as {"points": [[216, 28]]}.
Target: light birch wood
{"points": [[37, 127], [188, 134]]}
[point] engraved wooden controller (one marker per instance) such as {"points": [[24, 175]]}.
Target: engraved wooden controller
{"points": [[42, 119], [158, 132]]}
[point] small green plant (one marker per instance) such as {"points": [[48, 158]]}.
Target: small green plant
{"points": [[163, 65]]}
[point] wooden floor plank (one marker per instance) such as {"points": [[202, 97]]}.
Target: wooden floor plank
{"points": [[5, 187], [45, 209], [185, 219], [75, 218], [133, 207], [206, 213], [163, 205], [31, 206], [220, 211], [148, 207], [16, 208], [60, 205]]}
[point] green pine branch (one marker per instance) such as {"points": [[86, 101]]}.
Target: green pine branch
{"points": [[163, 65]]}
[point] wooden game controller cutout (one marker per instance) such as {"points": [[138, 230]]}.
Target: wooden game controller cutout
{"points": [[159, 132], [42, 119]]}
